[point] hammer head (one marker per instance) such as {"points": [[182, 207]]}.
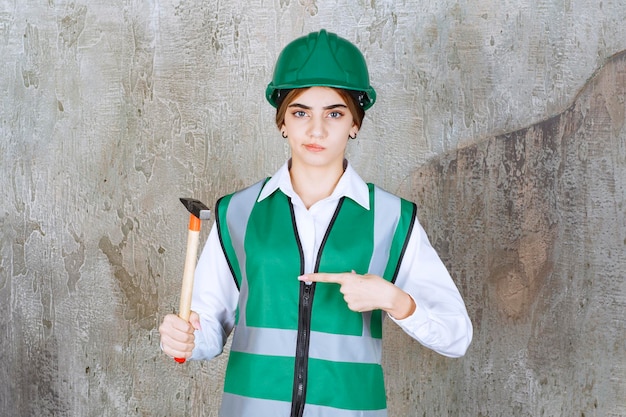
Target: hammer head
{"points": [[197, 208]]}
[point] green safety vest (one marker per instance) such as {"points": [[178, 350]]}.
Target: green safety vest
{"points": [[297, 349]]}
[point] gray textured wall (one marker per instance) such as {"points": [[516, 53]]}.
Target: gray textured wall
{"points": [[533, 226], [488, 116]]}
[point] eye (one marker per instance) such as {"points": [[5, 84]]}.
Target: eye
{"points": [[335, 114], [299, 113]]}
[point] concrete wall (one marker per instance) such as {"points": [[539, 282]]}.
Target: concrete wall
{"points": [[533, 226], [488, 116]]}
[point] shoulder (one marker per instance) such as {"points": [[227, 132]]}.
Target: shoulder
{"points": [[385, 197], [246, 196], [403, 211]]}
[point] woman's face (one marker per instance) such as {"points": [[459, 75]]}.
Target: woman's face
{"points": [[318, 124]]}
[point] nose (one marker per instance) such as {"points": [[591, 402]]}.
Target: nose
{"points": [[317, 128]]}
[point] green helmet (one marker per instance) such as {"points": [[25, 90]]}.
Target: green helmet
{"points": [[325, 60]]}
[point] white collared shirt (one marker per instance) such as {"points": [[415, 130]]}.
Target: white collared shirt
{"points": [[440, 321]]}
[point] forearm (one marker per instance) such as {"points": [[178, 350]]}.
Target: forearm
{"points": [[214, 299], [444, 330], [440, 320]]}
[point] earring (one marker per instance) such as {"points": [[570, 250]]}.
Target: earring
{"points": [[352, 137], [283, 135]]}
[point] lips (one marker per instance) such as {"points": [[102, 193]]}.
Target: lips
{"points": [[313, 147]]}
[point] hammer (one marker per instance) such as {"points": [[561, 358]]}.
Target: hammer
{"points": [[198, 211]]}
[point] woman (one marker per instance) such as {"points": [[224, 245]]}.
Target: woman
{"points": [[303, 264]]}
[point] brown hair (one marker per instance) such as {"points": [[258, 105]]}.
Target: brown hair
{"points": [[289, 96]]}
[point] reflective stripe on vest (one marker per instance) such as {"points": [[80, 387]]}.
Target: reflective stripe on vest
{"points": [[343, 348], [242, 406]]}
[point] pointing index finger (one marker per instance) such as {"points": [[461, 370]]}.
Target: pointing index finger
{"points": [[338, 278]]}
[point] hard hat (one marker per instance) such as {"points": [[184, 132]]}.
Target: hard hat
{"points": [[321, 59]]}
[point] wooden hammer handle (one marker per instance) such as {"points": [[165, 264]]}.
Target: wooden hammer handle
{"points": [[184, 310], [191, 258]]}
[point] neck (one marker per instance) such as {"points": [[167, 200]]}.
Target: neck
{"points": [[313, 184]]}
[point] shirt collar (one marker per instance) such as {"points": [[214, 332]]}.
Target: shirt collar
{"points": [[350, 185]]}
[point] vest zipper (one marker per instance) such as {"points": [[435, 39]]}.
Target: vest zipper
{"points": [[307, 291], [302, 349]]}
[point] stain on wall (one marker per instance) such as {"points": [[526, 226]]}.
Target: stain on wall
{"points": [[532, 226]]}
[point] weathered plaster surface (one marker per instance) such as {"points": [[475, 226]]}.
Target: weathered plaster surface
{"points": [[533, 226]]}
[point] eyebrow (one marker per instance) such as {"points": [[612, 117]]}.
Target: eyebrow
{"points": [[332, 106]]}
